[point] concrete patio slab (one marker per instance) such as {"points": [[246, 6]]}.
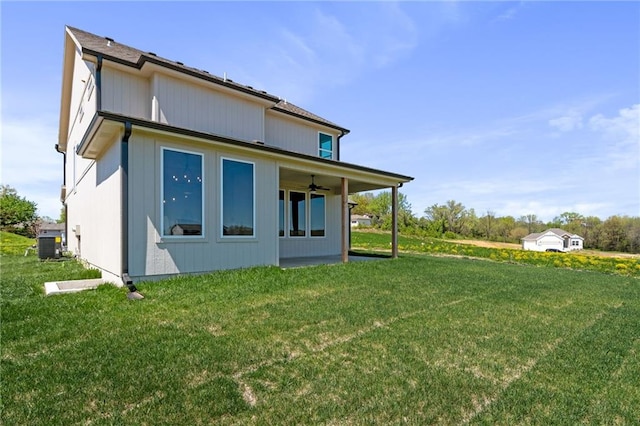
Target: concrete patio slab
{"points": [[61, 287]]}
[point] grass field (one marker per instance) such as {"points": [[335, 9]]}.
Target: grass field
{"points": [[579, 260], [417, 340]]}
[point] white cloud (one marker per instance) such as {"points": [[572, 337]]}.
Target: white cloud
{"points": [[511, 166], [547, 210], [571, 121], [622, 134], [507, 15], [329, 50], [396, 34], [510, 13], [30, 163]]}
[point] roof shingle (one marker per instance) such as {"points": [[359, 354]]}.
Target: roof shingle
{"points": [[117, 52]]}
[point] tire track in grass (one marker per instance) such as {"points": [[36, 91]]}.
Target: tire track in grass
{"points": [[249, 395], [530, 364], [629, 363]]}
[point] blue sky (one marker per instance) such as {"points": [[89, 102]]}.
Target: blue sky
{"points": [[512, 107]]}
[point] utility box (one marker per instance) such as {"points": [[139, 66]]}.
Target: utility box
{"points": [[49, 245]]}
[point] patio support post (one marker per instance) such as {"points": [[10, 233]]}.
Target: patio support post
{"points": [[346, 223], [394, 222]]}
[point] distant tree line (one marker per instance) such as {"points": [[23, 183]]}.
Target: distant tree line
{"points": [[450, 220], [17, 214], [453, 220]]}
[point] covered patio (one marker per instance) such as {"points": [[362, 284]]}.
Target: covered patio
{"points": [[335, 181]]}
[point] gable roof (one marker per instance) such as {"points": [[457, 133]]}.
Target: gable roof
{"points": [[533, 236], [109, 49], [561, 233]]}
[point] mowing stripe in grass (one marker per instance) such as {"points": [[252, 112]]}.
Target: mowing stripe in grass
{"points": [[419, 340], [567, 379], [248, 393]]}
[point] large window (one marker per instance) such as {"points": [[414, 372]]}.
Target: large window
{"points": [[325, 143], [317, 215], [182, 193], [304, 210], [297, 214], [238, 197], [281, 220]]}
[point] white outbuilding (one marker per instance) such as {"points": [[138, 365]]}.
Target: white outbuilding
{"points": [[553, 239]]}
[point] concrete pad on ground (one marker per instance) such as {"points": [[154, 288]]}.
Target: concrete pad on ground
{"points": [[73, 286]]}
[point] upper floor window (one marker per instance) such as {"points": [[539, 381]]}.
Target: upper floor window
{"points": [[325, 144], [182, 193], [238, 195]]}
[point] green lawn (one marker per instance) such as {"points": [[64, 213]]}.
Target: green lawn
{"points": [[629, 266], [418, 340]]}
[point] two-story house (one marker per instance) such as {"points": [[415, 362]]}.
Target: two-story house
{"points": [[172, 170]]}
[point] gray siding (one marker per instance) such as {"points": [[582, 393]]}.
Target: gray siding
{"points": [[125, 93], [293, 135], [196, 107], [81, 110], [150, 254], [95, 208], [82, 105], [317, 246]]}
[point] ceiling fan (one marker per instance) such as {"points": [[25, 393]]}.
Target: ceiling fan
{"points": [[314, 188]]}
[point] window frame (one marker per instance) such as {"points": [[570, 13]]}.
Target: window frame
{"points": [[290, 212], [253, 196], [202, 235], [284, 213], [322, 150], [324, 215]]}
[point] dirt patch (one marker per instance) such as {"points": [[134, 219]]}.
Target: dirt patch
{"points": [[487, 244]]}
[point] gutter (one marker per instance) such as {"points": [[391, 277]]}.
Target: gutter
{"points": [[124, 213], [203, 75], [101, 116], [99, 83], [342, 133], [64, 182], [311, 119]]}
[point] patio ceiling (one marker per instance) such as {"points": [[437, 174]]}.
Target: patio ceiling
{"points": [[300, 179]]}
